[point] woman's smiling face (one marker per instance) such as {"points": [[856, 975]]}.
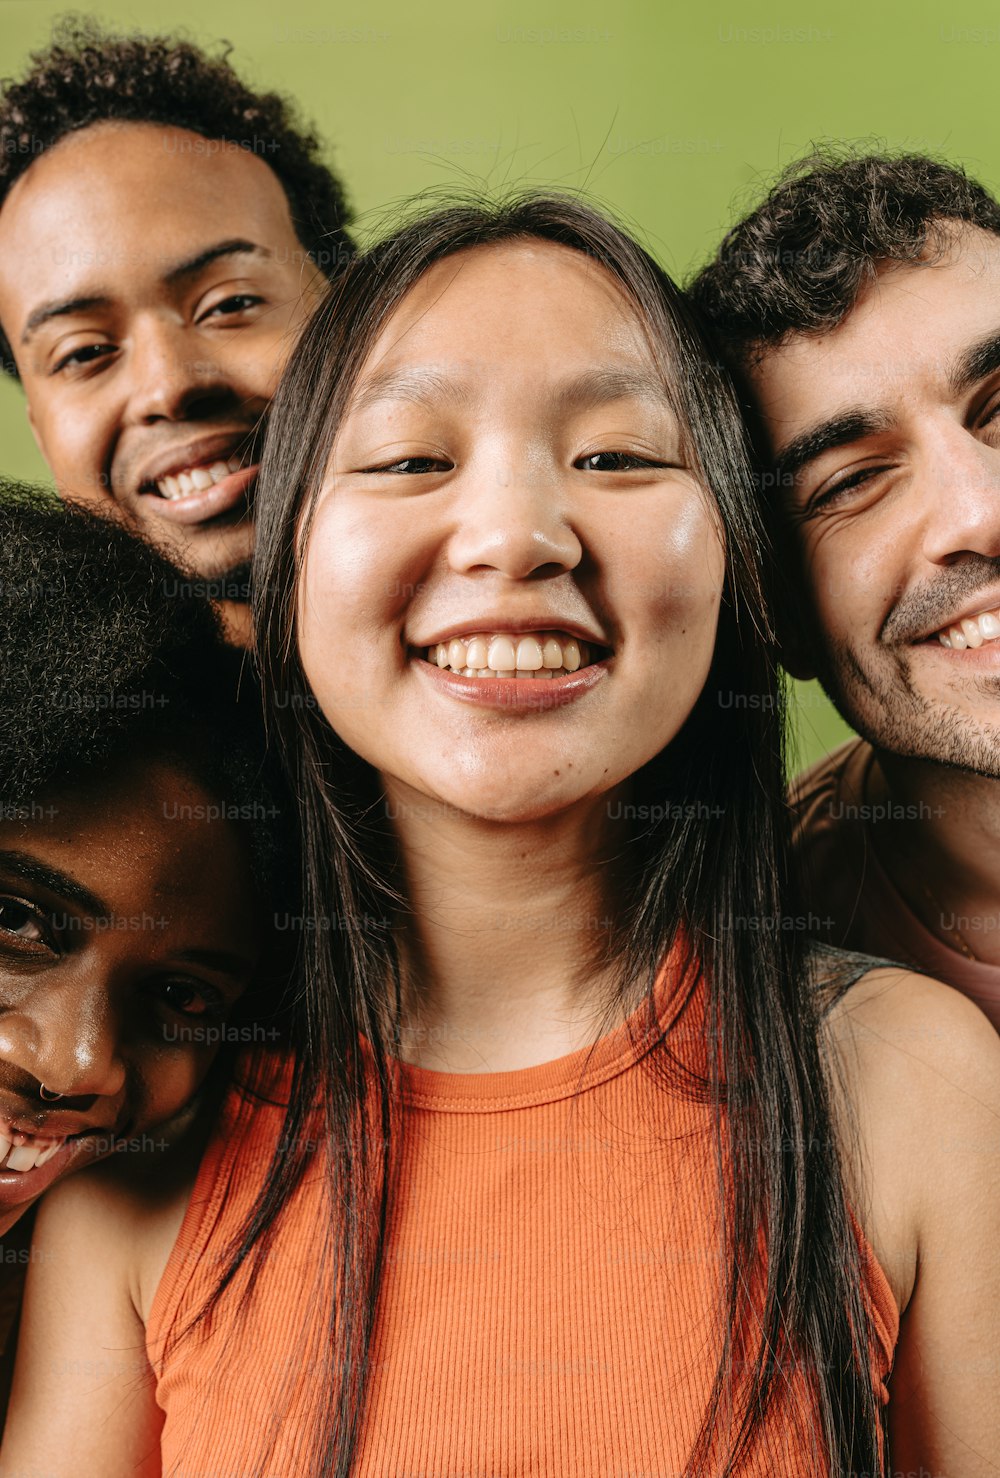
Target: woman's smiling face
{"points": [[509, 493]]}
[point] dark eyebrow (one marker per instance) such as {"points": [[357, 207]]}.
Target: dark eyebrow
{"points": [[217, 959], [423, 385], [32, 871], [193, 265], [61, 310], [825, 436], [602, 386], [976, 363], [190, 267]]}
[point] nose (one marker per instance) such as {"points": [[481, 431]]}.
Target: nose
{"points": [[67, 1039], [168, 379], [515, 522], [962, 499]]}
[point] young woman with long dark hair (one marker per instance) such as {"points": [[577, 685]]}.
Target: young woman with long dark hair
{"points": [[582, 1162]]}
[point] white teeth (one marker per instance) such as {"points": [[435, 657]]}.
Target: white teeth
{"points": [[24, 1157], [539, 657], [529, 655], [181, 484], [501, 656], [29, 1156], [972, 631]]}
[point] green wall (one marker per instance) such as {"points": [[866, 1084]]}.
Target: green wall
{"points": [[674, 114]]}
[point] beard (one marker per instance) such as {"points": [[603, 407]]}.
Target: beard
{"points": [[884, 705], [232, 584]]}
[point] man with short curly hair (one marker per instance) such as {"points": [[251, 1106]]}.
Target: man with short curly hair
{"points": [[164, 232], [859, 305]]}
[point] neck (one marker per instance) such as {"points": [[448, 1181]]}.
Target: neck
{"points": [[940, 845], [504, 964]]}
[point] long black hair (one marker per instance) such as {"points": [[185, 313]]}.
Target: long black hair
{"points": [[715, 878]]}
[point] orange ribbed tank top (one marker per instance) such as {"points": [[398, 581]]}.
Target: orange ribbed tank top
{"points": [[549, 1298]]}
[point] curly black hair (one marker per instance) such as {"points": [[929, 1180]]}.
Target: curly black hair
{"points": [[108, 653], [798, 262], [89, 75]]}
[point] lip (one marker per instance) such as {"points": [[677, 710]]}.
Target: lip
{"points": [[986, 657], [48, 1126], [479, 625], [199, 507], [976, 607], [514, 694], [18, 1187]]}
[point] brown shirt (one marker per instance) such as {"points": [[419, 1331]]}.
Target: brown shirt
{"points": [[851, 899]]}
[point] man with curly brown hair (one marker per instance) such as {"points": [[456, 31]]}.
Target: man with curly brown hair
{"points": [[859, 305], [164, 232]]}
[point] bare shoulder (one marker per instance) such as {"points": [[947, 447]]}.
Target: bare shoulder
{"points": [[895, 1027], [917, 1084], [130, 1212]]}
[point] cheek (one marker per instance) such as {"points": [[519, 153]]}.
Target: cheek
{"points": [[672, 573], [854, 576], [364, 565], [175, 1075], [74, 438]]}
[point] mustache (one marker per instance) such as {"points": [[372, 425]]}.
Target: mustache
{"points": [[932, 605]]}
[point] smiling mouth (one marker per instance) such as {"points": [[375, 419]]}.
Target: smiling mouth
{"points": [[973, 631], [23, 1152], [196, 479], [531, 655]]}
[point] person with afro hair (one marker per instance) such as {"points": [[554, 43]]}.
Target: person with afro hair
{"points": [[140, 860], [165, 230]]}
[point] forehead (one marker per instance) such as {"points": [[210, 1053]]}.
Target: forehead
{"points": [[898, 346], [533, 303], [117, 200], [145, 824]]}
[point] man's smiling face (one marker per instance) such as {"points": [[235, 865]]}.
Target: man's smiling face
{"points": [[885, 436], [151, 286]]}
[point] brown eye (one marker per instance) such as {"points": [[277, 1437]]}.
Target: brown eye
{"points": [[188, 997], [614, 462], [18, 919]]}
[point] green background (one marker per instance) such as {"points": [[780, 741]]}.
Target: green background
{"points": [[676, 115]]}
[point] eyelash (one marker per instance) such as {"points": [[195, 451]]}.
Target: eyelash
{"points": [[214, 1003], [248, 300], [223, 308], [23, 906], [631, 457], [436, 462], [74, 357]]}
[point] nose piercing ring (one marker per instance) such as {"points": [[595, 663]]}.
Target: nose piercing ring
{"points": [[47, 1094]]}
